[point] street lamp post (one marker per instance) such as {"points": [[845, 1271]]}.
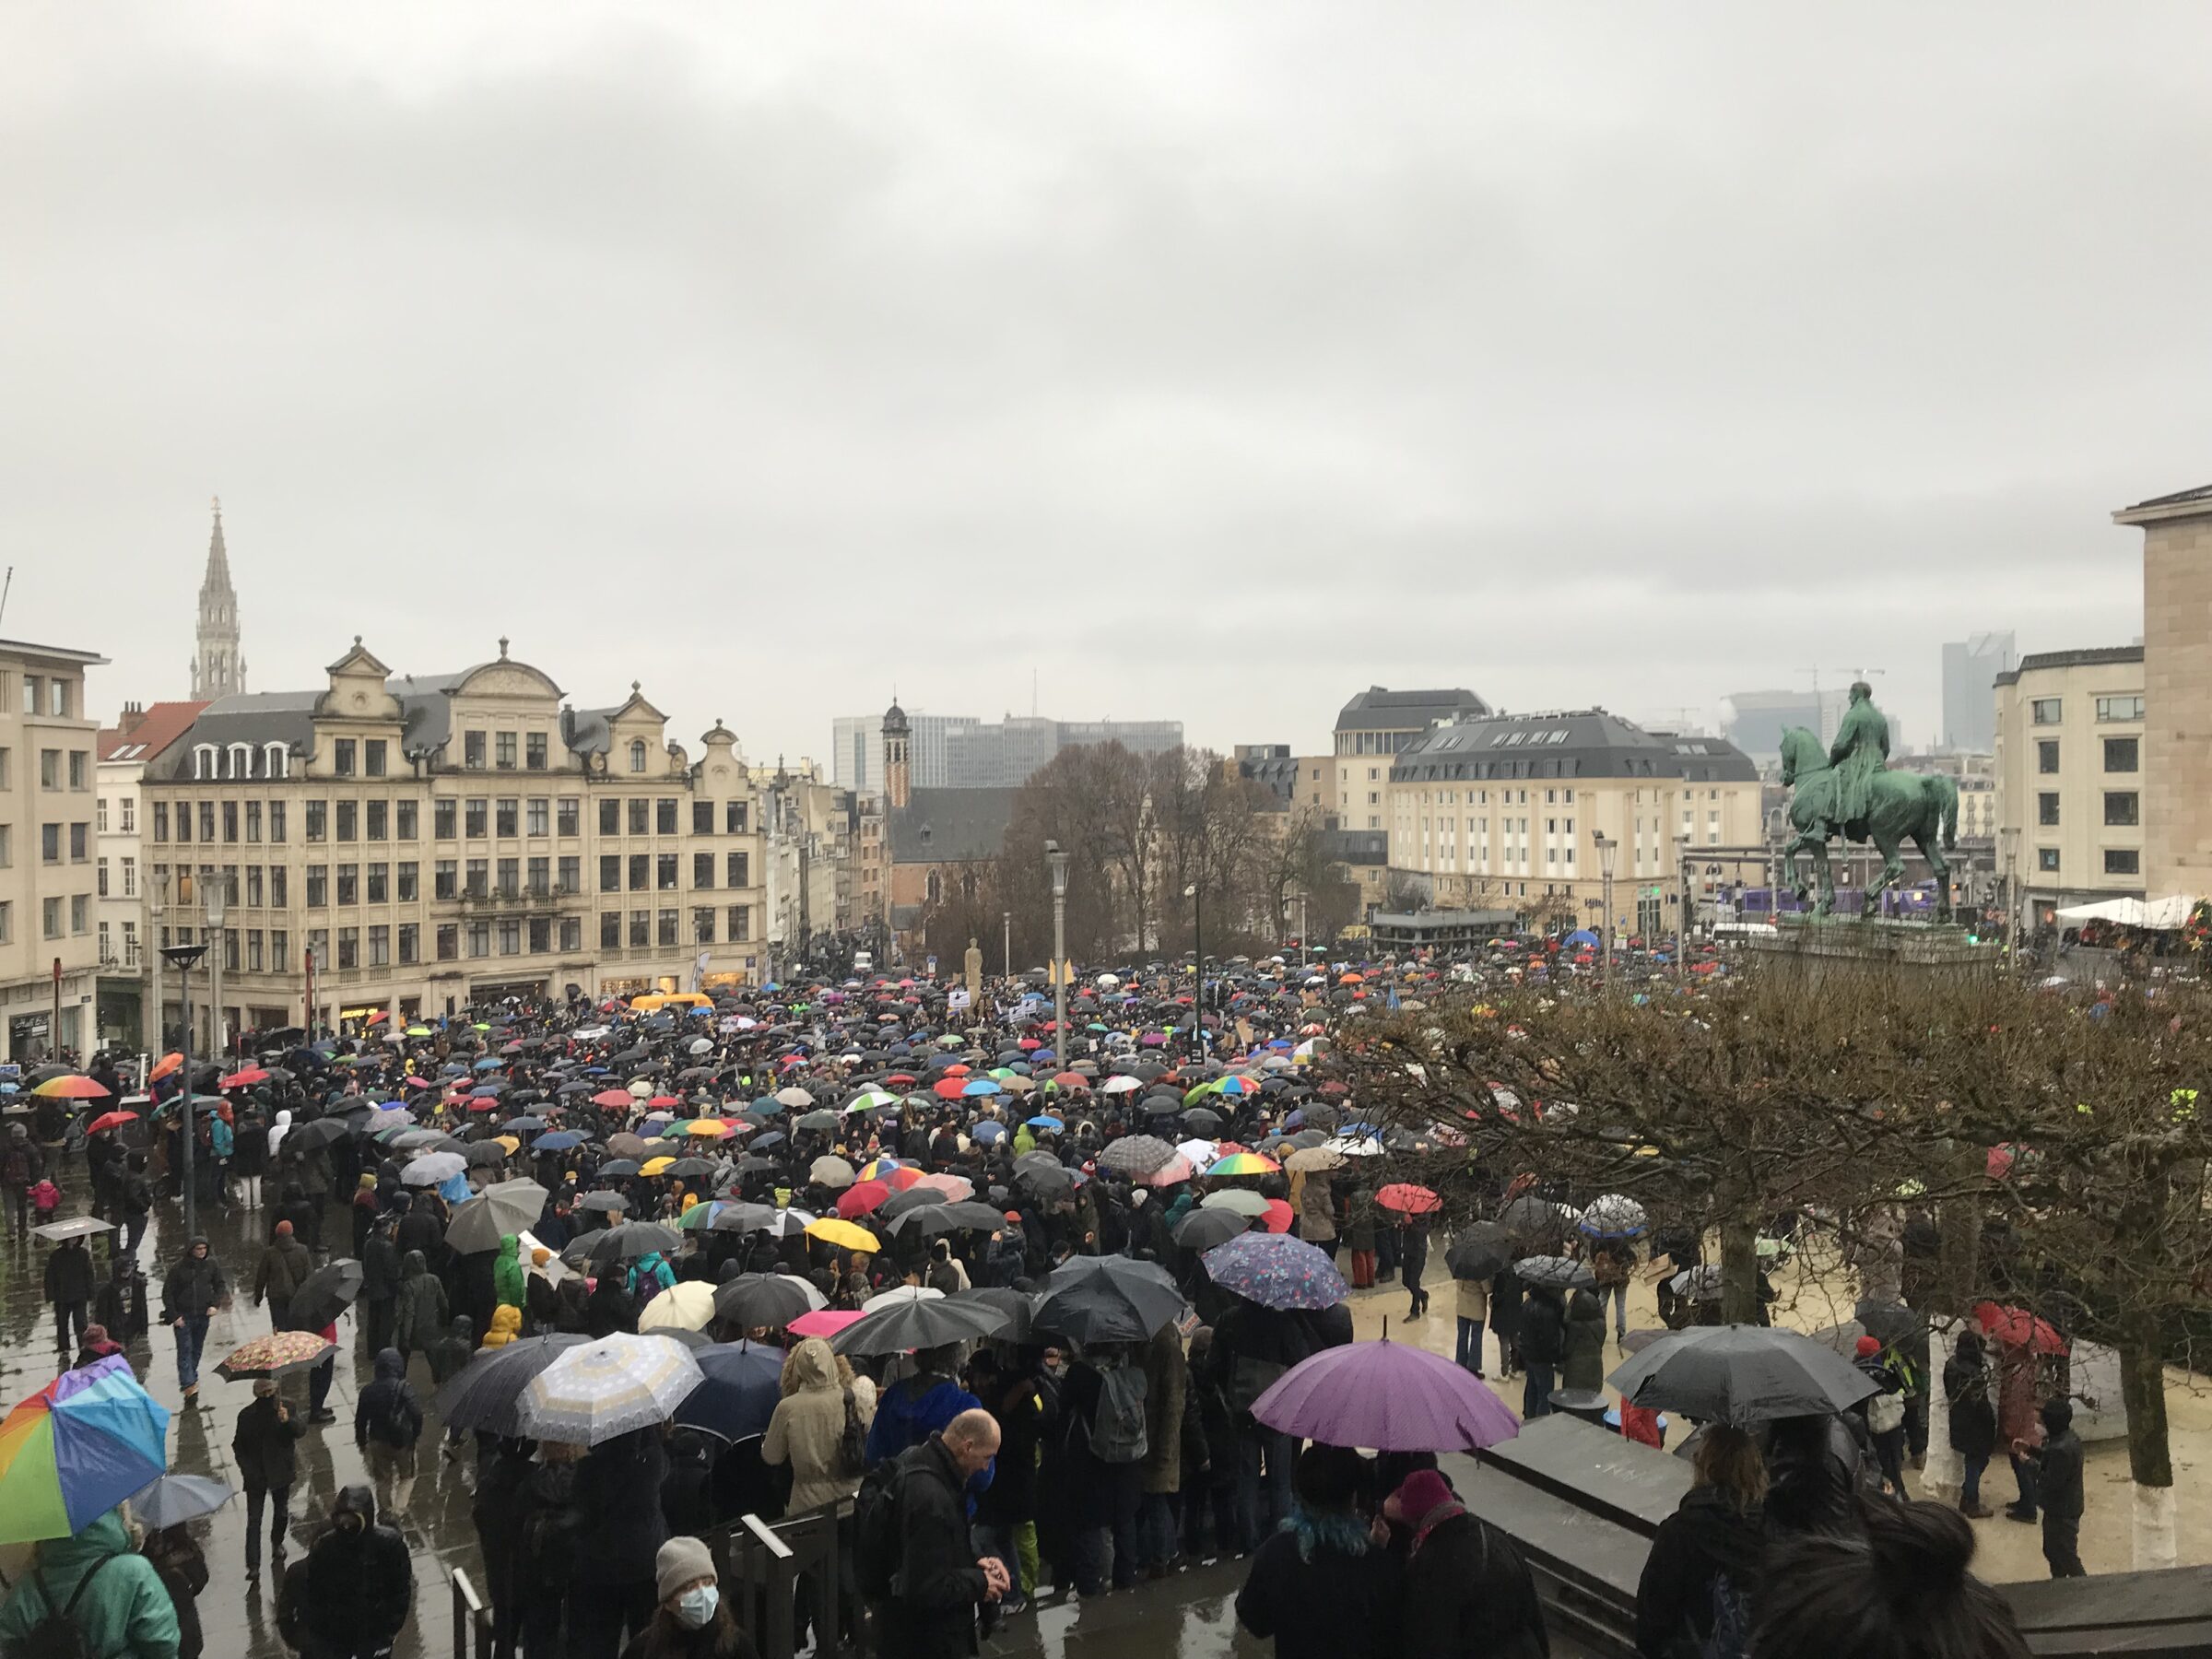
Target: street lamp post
{"points": [[1607, 848], [1056, 860], [219, 1040], [183, 958], [1007, 921], [1197, 900], [156, 909], [1682, 909], [2008, 841]]}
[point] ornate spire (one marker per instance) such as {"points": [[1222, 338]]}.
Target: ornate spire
{"points": [[218, 668]]}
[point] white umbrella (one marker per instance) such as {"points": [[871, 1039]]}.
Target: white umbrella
{"points": [[1199, 1152], [433, 1169], [831, 1170], [686, 1306], [899, 1295], [1362, 1146], [701, 1045], [1121, 1085], [608, 1387], [793, 1096], [1241, 1200]]}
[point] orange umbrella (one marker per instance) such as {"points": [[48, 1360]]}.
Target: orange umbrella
{"points": [[70, 1088], [163, 1066]]}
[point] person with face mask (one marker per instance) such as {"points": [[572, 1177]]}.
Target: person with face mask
{"points": [[692, 1622], [350, 1597]]}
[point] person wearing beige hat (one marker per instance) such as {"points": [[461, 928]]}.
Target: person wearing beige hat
{"points": [[692, 1622]]}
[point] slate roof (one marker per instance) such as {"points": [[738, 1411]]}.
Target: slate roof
{"points": [[950, 826], [1587, 743], [1377, 710], [2089, 658]]}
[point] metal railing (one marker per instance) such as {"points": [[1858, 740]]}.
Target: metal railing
{"points": [[472, 1620]]}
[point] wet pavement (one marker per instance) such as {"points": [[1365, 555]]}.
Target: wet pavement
{"points": [[239, 1614]]}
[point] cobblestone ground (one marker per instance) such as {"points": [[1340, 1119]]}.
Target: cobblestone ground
{"points": [[239, 1614]]}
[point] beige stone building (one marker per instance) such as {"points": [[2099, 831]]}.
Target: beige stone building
{"points": [[1352, 784], [140, 736], [1504, 812], [2073, 776], [430, 842], [2177, 687], [49, 939]]}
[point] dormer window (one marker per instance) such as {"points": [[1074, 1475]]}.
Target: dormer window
{"points": [[205, 763], [242, 761], [274, 758], [637, 754]]}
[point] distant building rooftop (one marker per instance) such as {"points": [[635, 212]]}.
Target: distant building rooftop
{"points": [[1585, 743], [2093, 657], [1377, 710]]}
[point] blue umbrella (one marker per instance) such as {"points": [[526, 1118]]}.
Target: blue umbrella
{"points": [[1043, 1122], [742, 1382], [987, 1133], [1580, 936], [561, 1140], [489, 1064]]}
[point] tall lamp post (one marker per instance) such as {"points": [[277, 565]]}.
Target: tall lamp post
{"points": [[1682, 909], [184, 958], [156, 909], [1607, 848], [2008, 841], [1056, 861], [1197, 900], [218, 1039], [1007, 921]]}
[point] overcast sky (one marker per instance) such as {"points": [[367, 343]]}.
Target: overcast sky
{"points": [[1207, 361]]}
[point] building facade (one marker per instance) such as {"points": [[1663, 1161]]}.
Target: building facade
{"points": [[2177, 684], [140, 735], [49, 938], [414, 845], [1971, 667], [2073, 773], [856, 751], [1350, 784], [1506, 812]]}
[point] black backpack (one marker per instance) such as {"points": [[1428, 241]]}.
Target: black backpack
{"points": [[877, 1547], [58, 1635]]}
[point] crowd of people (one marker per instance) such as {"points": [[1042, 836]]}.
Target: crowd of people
{"points": [[857, 1141]]}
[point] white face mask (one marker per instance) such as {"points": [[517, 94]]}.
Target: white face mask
{"points": [[696, 1606]]}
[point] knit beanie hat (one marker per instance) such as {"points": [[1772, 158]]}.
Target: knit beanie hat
{"points": [[284, 1230], [681, 1560], [1868, 1346], [1419, 1493]]}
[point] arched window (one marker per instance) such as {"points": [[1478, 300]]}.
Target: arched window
{"points": [[241, 760], [937, 887], [274, 760], [206, 763], [637, 754]]}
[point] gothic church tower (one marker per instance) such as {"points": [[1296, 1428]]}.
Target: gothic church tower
{"points": [[219, 669]]}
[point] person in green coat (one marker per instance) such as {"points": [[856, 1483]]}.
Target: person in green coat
{"points": [[507, 1282], [124, 1613]]}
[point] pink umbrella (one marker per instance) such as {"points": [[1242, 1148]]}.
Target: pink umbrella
{"points": [[1385, 1396], [956, 1188], [823, 1322], [1177, 1168]]}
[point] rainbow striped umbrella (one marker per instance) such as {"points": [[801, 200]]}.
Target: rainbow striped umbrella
{"points": [[1244, 1163], [76, 1448]]}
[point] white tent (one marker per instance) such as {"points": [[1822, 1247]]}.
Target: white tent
{"points": [[2160, 914]]}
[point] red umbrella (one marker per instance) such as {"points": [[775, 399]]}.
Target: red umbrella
{"points": [[612, 1097], [2016, 1327], [950, 1088], [1408, 1199], [1999, 1162], [241, 1079], [108, 1120], [862, 1198], [660, 1102], [1277, 1217], [484, 1103]]}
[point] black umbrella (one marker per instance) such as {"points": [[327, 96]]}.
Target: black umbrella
{"points": [[1109, 1298], [912, 1199], [482, 1394], [485, 1155], [1562, 1273], [324, 1293], [690, 1169], [919, 1323], [1480, 1251], [1203, 1228], [764, 1299], [1020, 1309], [929, 1220], [609, 1201], [323, 1131], [619, 1165], [1533, 1220], [1741, 1374]]}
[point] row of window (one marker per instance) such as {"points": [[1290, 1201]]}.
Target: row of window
{"points": [[59, 917], [382, 883], [50, 696], [54, 838], [55, 764], [2121, 755], [475, 818], [660, 927], [2050, 711], [2118, 861], [2123, 808], [126, 808]]}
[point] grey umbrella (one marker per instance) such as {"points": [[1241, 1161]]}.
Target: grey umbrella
{"points": [[505, 1207], [931, 1218], [1741, 1374], [175, 1499], [1562, 1273], [764, 1299], [1203, 1228], [1018, 1308]]}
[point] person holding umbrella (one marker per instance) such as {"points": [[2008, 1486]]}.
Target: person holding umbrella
{"points": [[191, 1292], [22, 1166], [263, 1445]]}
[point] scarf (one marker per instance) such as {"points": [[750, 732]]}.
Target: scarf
{"points": [[1434, 1519], [1343, 1532]]}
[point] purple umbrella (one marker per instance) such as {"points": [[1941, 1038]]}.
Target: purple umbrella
{"points": [[1276, 1271], [1386, 1397]]}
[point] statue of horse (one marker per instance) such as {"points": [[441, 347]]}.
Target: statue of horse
{"points": [[1915, 806]]}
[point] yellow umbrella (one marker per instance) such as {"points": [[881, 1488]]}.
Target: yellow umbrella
{"points": [[844, 1234], [512, 1142], [654, 1166], [706, 1126]]}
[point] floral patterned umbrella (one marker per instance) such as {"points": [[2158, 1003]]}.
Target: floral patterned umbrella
{"points": [[1276, 1271], [273, 1355]]}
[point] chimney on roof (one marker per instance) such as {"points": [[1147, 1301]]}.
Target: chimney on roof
{"points": [[131, 719]]}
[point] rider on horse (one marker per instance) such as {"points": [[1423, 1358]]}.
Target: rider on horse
{"points": [[1858, 754]]}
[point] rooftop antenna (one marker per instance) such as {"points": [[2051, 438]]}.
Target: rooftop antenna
{"points": [[5, 587]]}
